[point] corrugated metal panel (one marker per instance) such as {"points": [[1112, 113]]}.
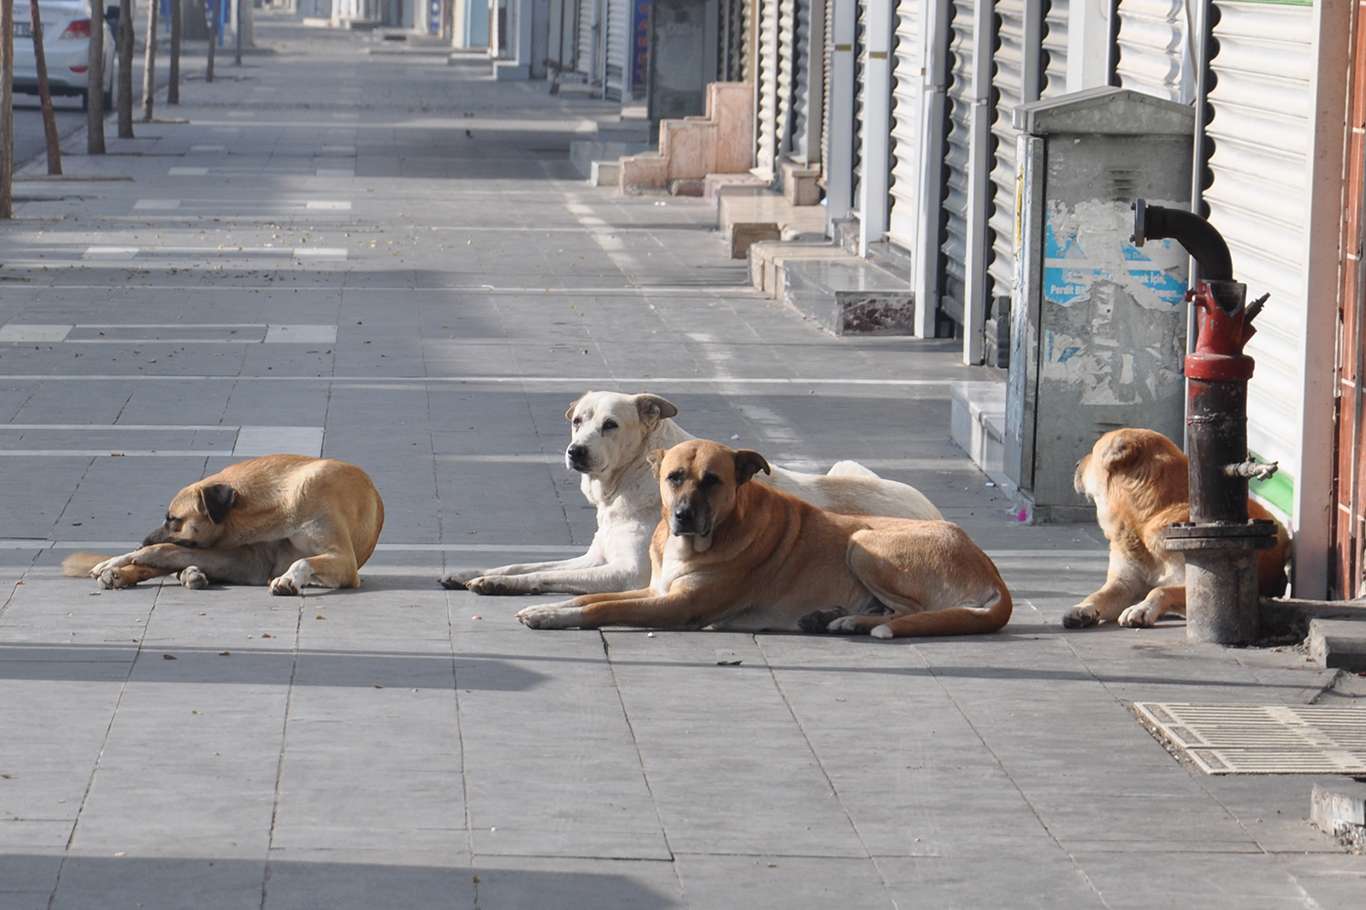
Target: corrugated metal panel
{"points": [[1009, 84], [618, 45], [1260, 129], [767, 147], [801, 76], [747, 61], [787, 83], [956, 161], [730, 57], [860, 71], [1055, 48], [585, 48], [907, 80], [828, 67], [1151, 47]]}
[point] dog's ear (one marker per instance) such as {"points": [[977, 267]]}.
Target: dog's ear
{"points": [[655, 457], [747, 464], [1122, 452], [653, 409], [217, 499], [569, 411]]}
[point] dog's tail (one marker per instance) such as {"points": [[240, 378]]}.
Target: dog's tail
{"points": [[78, 565], [851, 469], [989, 617]]}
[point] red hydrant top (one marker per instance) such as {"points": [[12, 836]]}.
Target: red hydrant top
{"points": [[1220, 336]]}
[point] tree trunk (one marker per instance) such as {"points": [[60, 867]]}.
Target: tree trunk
{"points": [[125, 67], [7, 109], [149, 63], [173, 85], [213, 37], [54, 142], [94, 86]]}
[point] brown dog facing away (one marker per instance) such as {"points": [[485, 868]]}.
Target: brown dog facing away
{"points": [[283, 520], [1139, 482], [729, 554]]}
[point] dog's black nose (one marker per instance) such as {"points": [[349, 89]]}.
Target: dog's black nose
{"points": [[682, 516], [576, 454]]}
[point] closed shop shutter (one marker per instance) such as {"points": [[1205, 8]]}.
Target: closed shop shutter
{"points": [[747, 61], [1009, 84], [860, 71], [1055, 49], [801, 78], [1152, 46], [730, 58], [618, 43], [585, 48], [767, 140], [787, 83], [956, 161], [1260, 130], [907, 83]]}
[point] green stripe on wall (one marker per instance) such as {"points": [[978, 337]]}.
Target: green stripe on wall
{"points": [[1278, 491]]}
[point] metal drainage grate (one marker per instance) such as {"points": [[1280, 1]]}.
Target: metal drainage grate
{"points": [[1263, 739]]}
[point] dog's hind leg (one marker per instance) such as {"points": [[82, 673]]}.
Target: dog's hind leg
{"points": [[327, 570], [459, 581]]}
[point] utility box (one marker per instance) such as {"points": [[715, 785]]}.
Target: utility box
{"points": [[1098, 326]]}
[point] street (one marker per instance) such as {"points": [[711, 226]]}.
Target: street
{"points": [[386, 258]]}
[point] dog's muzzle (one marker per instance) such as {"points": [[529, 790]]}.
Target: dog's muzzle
{"points": [[684, 521], [161, 536], [576, 457]]}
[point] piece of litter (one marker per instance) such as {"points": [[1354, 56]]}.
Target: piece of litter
{"points": [[649, 635], [727, 659], [121, 853], [376, 686], [991, 483], [476, 616], [168, 657], [224, 653]]}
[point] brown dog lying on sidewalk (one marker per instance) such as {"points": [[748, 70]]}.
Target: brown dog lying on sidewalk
{"points": [[1139, 482], [283, 520], [734, 555]]}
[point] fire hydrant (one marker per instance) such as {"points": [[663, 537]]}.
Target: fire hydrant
{"points": [[1219, 541]]}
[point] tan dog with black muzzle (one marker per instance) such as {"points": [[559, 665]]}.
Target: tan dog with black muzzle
{"points": [[284, 520], [740, 556]]}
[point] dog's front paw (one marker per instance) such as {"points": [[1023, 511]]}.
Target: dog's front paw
{"points": [[496, 585], [553, 616], [112, 579], [113, 562], [1141, 616], [283, 586], [194, 578], [1080, 617], [457, 581]]}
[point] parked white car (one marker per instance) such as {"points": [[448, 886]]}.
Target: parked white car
{"points": [[66, 46]]}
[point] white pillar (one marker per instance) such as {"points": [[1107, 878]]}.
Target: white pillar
{"points": [[1313, 503], [1088, 43], [839, 170], [929, 232]]}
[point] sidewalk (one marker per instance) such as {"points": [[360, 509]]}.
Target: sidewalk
{"points": [[387, 259]]}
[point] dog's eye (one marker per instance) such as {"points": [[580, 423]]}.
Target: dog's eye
{"points": [[675, 478], [609, 425], [577, 421], [710, 480]]}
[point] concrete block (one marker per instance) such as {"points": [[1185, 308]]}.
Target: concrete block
{"points": [[745, 234], [1338, 806], [849, 296], [1339, 644], [583, 152], [714, 184], [686, 186], [638, 173], [977, 424], [604, 173], [800, 183]]}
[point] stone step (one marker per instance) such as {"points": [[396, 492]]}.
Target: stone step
{"points": [[766, 260], [849, 296], [977, 421], [1339, 644]]}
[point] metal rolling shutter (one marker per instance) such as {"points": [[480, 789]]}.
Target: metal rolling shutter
{"points": [[618, 43], [1055, 49], [787, 84], [730, 57], [1009, 84], [747, 62], [585, 50], [1151, 46], [860, 69], [1260, 129], [956, 161], [766, 149], [801, 98], [907, 78], [827, 69]]}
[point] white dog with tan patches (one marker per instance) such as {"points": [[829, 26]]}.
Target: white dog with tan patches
{"points": [[610, 438]]}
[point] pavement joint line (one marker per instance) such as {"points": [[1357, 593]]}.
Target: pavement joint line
{"points": [[328, 205], [132, 427], [271, 333], [116, 453], [156, 205], [208, 148], [183, 171], [336, 172], [571, 381], [125, 545]]}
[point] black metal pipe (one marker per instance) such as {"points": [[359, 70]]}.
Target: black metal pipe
{"points": [[1205, 245]]}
